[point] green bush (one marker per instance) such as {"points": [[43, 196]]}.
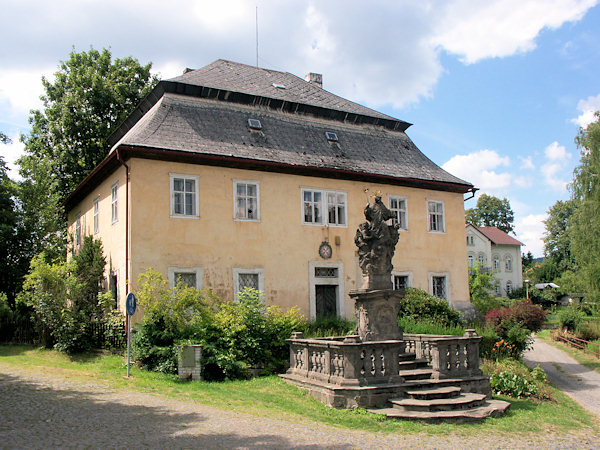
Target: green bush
{"points": [[489, 337], [328, 326], [512, 378], [411, 326], [420, 306], [569, 318], [588, 330], [235, 336]]}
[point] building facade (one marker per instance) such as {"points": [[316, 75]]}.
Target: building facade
{"points": [[497, 252], [232, 176]]}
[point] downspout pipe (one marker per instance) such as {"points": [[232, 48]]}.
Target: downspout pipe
{"points": [[120, 159]]}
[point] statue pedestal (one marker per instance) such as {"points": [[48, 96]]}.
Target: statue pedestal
{"points": [[377, 314]]}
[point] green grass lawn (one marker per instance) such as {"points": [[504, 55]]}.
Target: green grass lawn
{"points": [[586, 359], [270, 396]]}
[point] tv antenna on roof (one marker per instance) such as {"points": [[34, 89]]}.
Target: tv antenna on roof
{"points": [[257, 37]]}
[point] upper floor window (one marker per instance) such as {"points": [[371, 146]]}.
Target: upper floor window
{"points": [[496, 263], [470, 240], [78, 230], [246, 201], [114, 191], [96, 215], [315, 202], [184, 196], [435, 216], [508, 263], [398, 208]]}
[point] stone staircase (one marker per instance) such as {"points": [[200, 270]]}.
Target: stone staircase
{"points": [[437, 400]]}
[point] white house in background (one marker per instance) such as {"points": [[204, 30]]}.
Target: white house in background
{"points": [[498, 252]]}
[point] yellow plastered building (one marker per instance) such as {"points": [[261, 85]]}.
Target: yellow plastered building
{"points": [[232, 176]]}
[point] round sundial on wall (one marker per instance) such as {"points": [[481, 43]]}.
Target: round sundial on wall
{"points": [[325, 250]]}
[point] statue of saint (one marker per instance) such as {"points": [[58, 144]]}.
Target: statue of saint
{"points": [[376, 241]]}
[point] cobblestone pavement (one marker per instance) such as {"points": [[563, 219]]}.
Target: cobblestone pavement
{"points": [[50, 410]]}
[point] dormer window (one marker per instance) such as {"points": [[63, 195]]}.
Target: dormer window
{"points": [[331, 136], [254, 124]]}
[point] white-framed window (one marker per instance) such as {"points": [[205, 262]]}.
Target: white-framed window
{"points": [[246, 200], [189, 276], [509, 287], [508, 263], [471, 260], [114, 202], [251, 278], [470, 240], [401, 280], [321, 207], [438, 285], [435, 216], [397, 206], [498, 289], [481, 258], [78, 230], [184, 195], [496, 263], [97, 215]]}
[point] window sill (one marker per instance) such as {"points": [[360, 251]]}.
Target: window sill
{"points": [[182, 216], [330, 225]]}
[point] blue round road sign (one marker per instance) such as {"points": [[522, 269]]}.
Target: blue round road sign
{"points": [[131, 303]]}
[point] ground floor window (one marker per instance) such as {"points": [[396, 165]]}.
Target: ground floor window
{"points": [[187, 276], [438, 286], [401, 280], [248, 278]]}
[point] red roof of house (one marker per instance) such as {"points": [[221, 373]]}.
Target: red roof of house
{"points": [[498, 236]]}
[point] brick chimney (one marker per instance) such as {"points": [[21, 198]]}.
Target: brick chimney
{"points": [[314, 78]]}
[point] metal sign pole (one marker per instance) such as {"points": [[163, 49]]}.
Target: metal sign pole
{"points": [[128, 342]]}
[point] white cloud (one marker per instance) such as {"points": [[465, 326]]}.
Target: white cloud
{"points": [[476, 30], [481, 169], [553, 170], [587, 107], [527, 163], [11, 152], [20, 90], [523, 181], [530, 231]]}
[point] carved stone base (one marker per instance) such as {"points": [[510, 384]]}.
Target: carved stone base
{"points": [[377, 314]]}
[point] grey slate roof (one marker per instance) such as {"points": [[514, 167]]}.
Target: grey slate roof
{"points": [[212, 127], [236, 77]]}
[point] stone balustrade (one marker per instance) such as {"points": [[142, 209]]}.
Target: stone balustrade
{"points": [[449, 356], [345, 361]]}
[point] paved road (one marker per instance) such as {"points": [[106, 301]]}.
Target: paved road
{"points": [[51, 410], [581, 383]]}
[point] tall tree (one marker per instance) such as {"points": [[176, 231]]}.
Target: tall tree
{"points": [[90, 95], [557, 239], [13, 262], [4, 139], [585, 222], [492, 212]]}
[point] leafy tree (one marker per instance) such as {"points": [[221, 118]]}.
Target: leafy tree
{"points": [[557, 239], [585, 221], [91, 94], [527, 260], [13, 260], [481, 285], [89, 271], [4, 139], [492, 212]]}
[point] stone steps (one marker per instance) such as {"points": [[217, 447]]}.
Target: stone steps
{"points": [[434, 393], [459, 402], [492, 408], [416, 374]]}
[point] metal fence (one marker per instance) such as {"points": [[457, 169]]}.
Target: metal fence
{"points": [[23, 331]]}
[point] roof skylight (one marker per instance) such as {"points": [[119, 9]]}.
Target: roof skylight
{"points": [[279, 86], [254, 124], [331, 136]]}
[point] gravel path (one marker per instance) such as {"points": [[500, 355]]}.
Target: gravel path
{"points": [[581, 383], [51, 410]]}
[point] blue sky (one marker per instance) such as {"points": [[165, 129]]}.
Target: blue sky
{"points": [[496, 90]]}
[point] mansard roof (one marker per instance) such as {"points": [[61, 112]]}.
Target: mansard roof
{"points": [[202, 117]]}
